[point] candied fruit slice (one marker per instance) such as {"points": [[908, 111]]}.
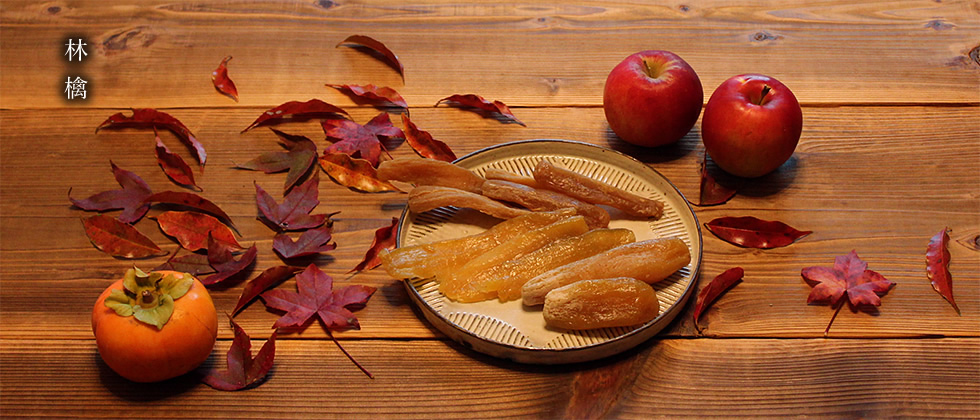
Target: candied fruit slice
{"points": [[428, 260], [649, 261], [601, 303], [421, 171], [508, 278], [428, 197], [595, 192], [457, 285]]}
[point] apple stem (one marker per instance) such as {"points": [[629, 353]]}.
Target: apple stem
{"points": [[765, 91]]}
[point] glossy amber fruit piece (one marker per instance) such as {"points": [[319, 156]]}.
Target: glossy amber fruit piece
{"points": [[435, 258], [649, 261], [603, 303], [458, 285]]}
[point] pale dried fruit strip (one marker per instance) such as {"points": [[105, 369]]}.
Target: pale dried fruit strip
{"points": [[594, 191], [427, 260], [601, 303], [428, 197], [544, 200], [508, 278], [649, 261], [420, 171], [505, 175], [457, 285]]}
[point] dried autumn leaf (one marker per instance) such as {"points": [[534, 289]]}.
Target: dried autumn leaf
{"points": [[294, 212], [712, 193], [130, 198], [173, 165], [191, 229], [751, 232], [378, 47], [381, 126], [298, 158], [374, 95], [195, 264], [148, 117], [119, 239], [423, 143], [190, 200], [478, 102], [313, 241], [353, 139], [937, 266], [715, 288], [221, 81], [358, 174], [221, 259], [266, 280], [384, 238], [849, 276], [313, 108], [242, 370], [317, 298]]}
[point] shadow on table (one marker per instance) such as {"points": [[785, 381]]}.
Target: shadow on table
{"points": [[144, 392]]}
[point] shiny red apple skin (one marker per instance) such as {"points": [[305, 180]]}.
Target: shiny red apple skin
{"points": [[746, 138], [652, 98]]}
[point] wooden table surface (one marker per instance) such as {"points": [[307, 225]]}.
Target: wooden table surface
{"points": [[889, 156]]}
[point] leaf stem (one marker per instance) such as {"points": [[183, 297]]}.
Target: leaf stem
{"points": [[351, 358], [840, 304]]}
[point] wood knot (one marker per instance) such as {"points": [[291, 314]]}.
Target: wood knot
{"points": [[975, 55], [53, 10], [763, 36], [684, 8], [939, 25], [127, 39], [326, 4]]}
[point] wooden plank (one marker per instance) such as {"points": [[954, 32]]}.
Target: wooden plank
{"points": [[873, 179], [670, 378], [161, 54]]}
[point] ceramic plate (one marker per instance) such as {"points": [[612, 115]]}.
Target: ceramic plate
{"points": [[512, 331]]}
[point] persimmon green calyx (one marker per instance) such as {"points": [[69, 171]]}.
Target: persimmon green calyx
{"points": [[149, 297]]}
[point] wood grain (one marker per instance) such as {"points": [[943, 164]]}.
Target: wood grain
{"points": [[906, 51], [882, 192], [430, 379]]}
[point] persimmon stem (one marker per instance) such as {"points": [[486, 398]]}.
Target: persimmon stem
{"points": [[840, 304], [351, 358]]}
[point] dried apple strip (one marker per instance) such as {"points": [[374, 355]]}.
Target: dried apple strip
{"points": [[457, 284], [430, 259], [504, 175], [420, 171], [649, 261], [596, 192], [429, 197], [544, 200], [508, 278], [601, 303]]}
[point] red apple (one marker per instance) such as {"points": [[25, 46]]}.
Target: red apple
{"points": [[652, 98], [751, 125]]}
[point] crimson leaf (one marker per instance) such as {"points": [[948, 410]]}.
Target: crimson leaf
{"points": [[221, 81], [384, 238], [148, 117], [751, 232], [849, 276], [311, 242], [715, 288], [374, 95], [423, 143], [243, 370], [378, 47], [296, 110], [299, 157], [173, 165], [293, 213], [478, 102], [119, 239], [221, 259], [266, 280], [130, 198], [937, 266]]}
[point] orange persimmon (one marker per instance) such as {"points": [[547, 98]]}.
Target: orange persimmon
{"points": [[154, 326]]}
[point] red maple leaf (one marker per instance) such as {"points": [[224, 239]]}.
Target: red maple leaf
{"points": [[849, 276], [317, 298], [243, 370]]}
